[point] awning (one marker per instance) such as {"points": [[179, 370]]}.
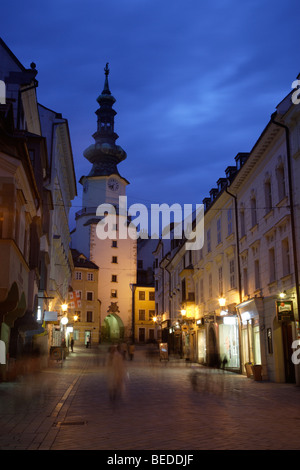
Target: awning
{"points": [[250, 308], [11, 301], [18, 312], [28, 324]]}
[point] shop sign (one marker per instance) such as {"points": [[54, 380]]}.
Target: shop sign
{"points": [[2, 352], [209, 319], [284, 310], [50, 317]]}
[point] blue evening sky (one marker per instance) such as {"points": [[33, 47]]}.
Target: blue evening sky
{"points": [[195, 82]]}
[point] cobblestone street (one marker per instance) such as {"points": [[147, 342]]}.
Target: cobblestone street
{"points": [[67, 407]]}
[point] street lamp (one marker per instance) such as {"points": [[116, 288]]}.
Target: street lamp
{"points": [[64, 320], [222, 303]]}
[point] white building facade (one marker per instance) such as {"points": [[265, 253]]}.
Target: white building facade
{"points": [[239, 295]]}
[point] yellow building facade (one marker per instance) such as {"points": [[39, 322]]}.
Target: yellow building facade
{"points": [[84, 306], [145, 328]]}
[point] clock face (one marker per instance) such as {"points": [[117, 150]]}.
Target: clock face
{"points": [[113, 184]]}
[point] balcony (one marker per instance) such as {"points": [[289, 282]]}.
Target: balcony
{"points": [[86, 211]]}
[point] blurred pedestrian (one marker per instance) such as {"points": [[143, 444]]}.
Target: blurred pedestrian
{"points": [[72, 344], [124, 349], [131, 351], [115, 373], [224, 362]]}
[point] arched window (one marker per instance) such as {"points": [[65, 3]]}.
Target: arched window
{"points": [[253, 210], [280, 175], [268, 194]]}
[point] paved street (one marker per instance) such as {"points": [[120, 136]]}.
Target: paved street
{"points": [[68, 407]]}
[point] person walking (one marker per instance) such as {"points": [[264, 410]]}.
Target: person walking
{"points": [[131, 351], [115, 373], [72, 344], [124, 349]]}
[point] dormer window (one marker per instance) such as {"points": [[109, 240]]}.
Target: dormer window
{"points": [[221, 183]]}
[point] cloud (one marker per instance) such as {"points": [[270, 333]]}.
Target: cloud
{"points": [[195, 82]]}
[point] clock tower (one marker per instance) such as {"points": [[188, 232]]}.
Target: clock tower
{"points": [[116, 258]]}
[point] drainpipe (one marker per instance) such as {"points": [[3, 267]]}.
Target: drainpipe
{"points": [[238, 267], [237, 241], [288, 151], [133, 286]]}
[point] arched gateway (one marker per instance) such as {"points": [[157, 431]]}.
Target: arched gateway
{"points": [[112, 328]]}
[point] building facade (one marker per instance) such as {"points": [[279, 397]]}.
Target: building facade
{"points": [[146, 330], [238, 296], [36, 191], [84, 309]]}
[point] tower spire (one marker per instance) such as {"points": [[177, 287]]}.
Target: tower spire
{"points": [[106, 90], [105, 154]]}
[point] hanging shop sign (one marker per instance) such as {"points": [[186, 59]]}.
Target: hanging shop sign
{"points": [[209, 319], [284, 309], [51, 317]]}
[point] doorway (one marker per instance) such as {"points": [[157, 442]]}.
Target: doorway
{"points": [[142, 335], [213, 357], [87, 337], [112, 328], [287, 339]]}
